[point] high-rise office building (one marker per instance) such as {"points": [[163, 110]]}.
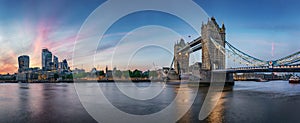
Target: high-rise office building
{"points": [[46, 59], [55, 62], [23, 63], [64, 65]]}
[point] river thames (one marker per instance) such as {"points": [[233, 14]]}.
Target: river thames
{"points": [[248, 102]]}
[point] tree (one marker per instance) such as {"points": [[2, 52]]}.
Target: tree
{"points": [[56, 76], [69, 76], [137, 73], [146, 74], [100, 73]]}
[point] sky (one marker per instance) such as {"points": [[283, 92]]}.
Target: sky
{"points": [[266, 29]]}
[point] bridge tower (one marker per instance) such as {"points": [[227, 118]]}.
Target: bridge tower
{"points": [[212, 57], [181, 59], [212, 42]]}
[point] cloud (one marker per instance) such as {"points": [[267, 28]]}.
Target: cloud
{"points": [[8, 62], [29, 40], [146, 45]]}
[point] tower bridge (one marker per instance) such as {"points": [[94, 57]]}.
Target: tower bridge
{"points": [[213, 44]]}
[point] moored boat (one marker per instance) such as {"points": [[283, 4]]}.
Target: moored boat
{"points": [[294, 79], [261, 80]]}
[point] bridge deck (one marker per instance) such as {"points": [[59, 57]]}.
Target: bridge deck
{"points": [[192, 45], [289, 68]]}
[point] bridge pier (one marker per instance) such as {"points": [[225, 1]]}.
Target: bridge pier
{"points": [[215, 78]]}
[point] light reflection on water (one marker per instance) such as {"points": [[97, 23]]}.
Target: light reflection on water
{"points": [[41, 103], [246, 102]]}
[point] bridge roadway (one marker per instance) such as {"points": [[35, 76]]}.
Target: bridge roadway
{"points": [[283, 68], [193, 46]]}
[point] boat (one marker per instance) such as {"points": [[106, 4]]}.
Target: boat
{"points": [[261, 80], [294, 79]]}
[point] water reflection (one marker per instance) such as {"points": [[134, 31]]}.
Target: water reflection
{"points": [[245, 102], [216, 116], [185, 99], [41, 103], [137, 107], [24, 107]]}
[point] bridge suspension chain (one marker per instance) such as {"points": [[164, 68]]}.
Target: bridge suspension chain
{"points": [[244, 58], [254, 61], [289, 59]]}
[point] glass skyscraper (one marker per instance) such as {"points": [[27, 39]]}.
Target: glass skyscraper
{"points": [[55, 62], [46, 59], [23, 63]]}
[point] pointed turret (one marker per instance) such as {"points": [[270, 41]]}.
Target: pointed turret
{"points": [[223, 26], [182, 43], [213, 18], [222, 30]]}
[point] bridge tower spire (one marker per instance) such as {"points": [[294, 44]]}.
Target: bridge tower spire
{"points": [[212, 57]]}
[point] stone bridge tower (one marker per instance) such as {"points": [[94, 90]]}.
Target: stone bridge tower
{"points": [[212, 58], [181, 59]]}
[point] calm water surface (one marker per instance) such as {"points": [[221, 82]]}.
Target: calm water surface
{"points": [[252, 102]]}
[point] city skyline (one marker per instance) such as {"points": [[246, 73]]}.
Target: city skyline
{"points": [[32, 26]]}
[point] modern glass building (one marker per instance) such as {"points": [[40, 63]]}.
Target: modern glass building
{"points": [[46, 59], [64, 65], [23, 62], [55, 62]]}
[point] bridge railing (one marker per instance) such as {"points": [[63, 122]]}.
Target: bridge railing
{"points": [[266, 67]]}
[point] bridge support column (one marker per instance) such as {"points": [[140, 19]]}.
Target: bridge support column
{"points": [[216, 78]]}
